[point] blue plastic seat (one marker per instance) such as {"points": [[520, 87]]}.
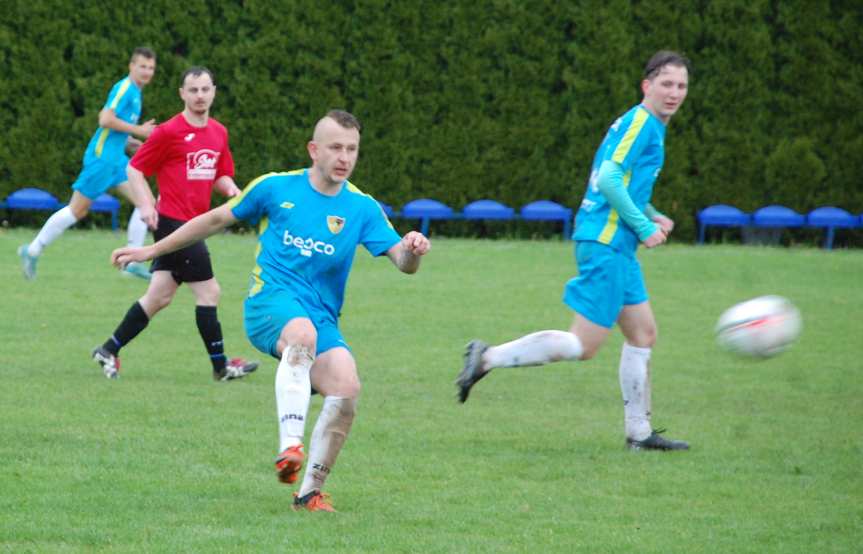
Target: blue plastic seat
{"points": [[777, 216], [31, 199], [487, 209], [107, 203], [829, 218], [546, 210], [720, 215], [426, 209]]}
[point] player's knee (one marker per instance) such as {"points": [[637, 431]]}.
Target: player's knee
{"points": [[154, 302], [345, 387], [79, 211], [351, 388], [300, 333], [643, 337], [209, 295]]}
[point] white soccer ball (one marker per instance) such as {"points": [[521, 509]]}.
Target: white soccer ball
{"points": [[761, 327]]}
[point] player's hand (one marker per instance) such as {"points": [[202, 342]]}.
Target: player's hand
{"points": [[132, 145], [658, 237], [232, 190], [146, 128], [665, 223], [416, 243], [122, 257], [149, 215]]}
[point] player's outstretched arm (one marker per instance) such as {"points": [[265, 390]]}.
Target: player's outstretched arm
{"points": [[406, 254], [192, 231]]}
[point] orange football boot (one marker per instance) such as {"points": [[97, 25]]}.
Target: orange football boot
{"points": [[289, 463], [315, 501]]}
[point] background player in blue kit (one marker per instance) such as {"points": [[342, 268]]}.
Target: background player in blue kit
{"points": [[614, 217], [104, 163], [310, 223]]}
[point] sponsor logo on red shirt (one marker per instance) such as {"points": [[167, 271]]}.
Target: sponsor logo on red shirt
{"points": [[201, 165]]}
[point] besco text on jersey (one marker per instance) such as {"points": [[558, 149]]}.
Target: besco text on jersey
{"points": [[309, 245]]}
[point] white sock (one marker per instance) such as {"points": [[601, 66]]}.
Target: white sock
{"points": [[293, 392], [635, 388], [329, 435], [59, 221], [535, 349], [136, 232]]}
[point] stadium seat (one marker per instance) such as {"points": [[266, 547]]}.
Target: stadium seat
{"points": [[107, 203], [546, 210], [829, 218], [720, 215], [487, 209], [426, 209], [777, 216], [31, 199]]}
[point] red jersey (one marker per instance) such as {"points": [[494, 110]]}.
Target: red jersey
{"points": [[187, 160]]}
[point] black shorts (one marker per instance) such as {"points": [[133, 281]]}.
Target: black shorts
{"points": [[189, 265]]}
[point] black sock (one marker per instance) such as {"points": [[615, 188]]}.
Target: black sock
{"points": [[211, 333], [133, 323]]}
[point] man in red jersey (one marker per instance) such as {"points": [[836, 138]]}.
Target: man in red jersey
{"points": [[190, 156]]}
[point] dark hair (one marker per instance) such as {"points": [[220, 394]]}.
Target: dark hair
{"points": [[663, 58], [345, 119], [144, 52], [195, 71]]}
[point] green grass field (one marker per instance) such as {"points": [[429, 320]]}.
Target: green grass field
{"points": [[165, 460]]}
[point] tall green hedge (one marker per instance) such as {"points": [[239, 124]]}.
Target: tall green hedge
{"points": [[462, 99]]}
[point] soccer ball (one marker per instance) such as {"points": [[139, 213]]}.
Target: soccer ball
{"points": [[760, 328]]}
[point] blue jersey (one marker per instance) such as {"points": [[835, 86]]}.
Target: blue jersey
{"points": [[109, 145], [636, 141], [307, 240]]}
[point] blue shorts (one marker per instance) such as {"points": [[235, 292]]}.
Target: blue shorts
{"points": [[98, 176], [267, 313], [607, 281]]}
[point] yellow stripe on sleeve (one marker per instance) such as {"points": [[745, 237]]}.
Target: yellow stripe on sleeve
{"points": [[255, 182], [629, 137], [103, 134], [116, 101]]}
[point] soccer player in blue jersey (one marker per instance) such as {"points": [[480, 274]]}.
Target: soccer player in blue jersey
{"points": [[104, 163], [615, 216], [310, 223]]}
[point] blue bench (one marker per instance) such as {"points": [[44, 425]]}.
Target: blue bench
{"points": [[428, 210], [831, 218], [720, 215], [32, 198]]}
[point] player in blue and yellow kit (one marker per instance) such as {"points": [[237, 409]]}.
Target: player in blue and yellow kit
{"points": [[310, 223], [614, 217], [104, 161]]}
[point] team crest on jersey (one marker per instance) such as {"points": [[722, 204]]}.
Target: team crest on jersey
{"points": [[335, 223]]}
